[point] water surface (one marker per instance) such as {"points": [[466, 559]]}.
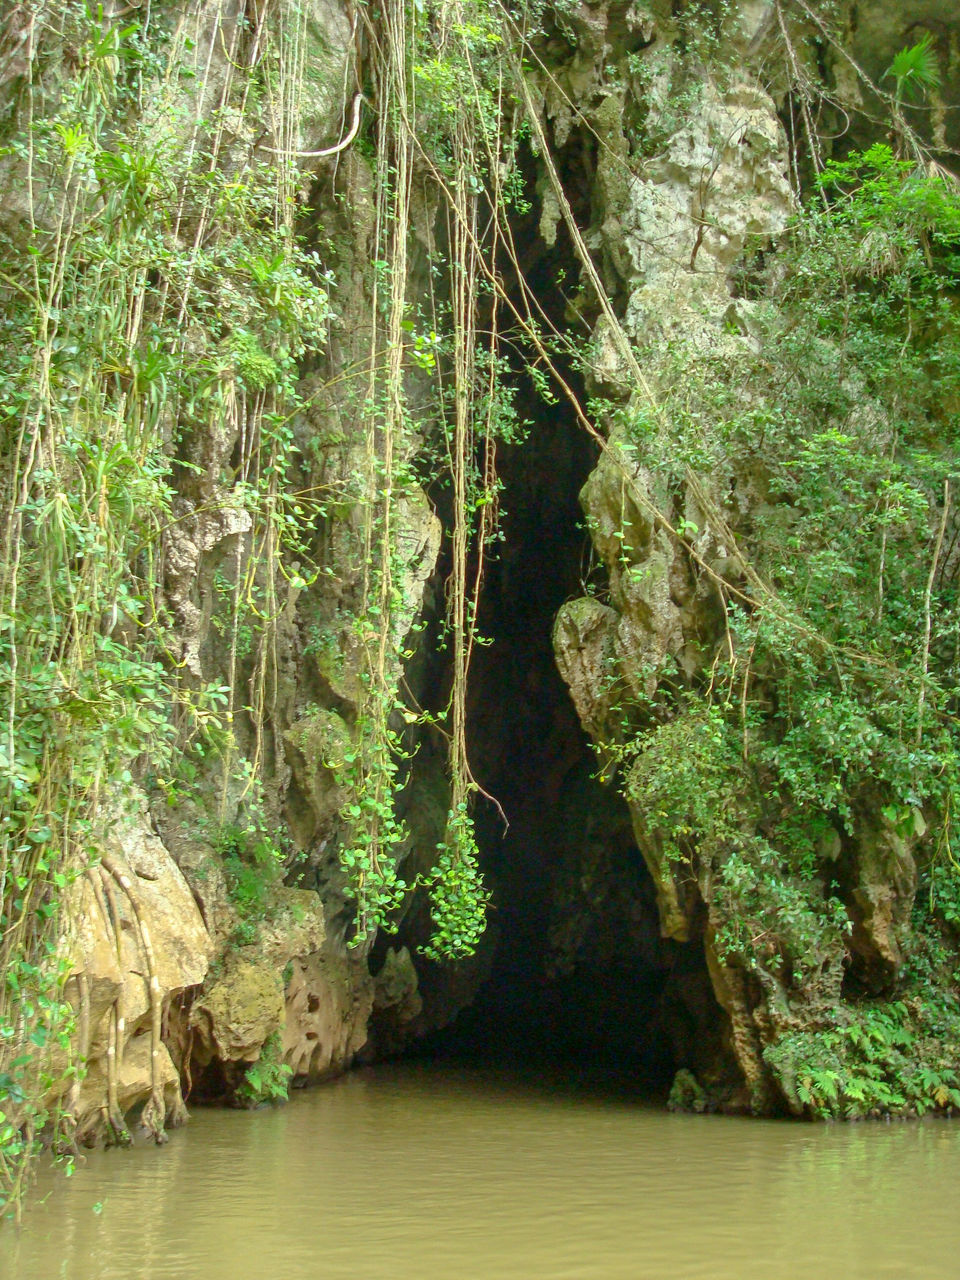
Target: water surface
{"points": [[429, 1173]]}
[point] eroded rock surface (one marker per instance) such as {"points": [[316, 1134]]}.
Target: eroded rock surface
{"points": [[112, 968], [677, 202]]}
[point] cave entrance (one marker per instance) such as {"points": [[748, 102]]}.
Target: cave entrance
{"points": [[579, 971]]}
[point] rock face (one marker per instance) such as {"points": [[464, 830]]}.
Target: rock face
{"points": [[720, 182], [134, 923], [672, 234], [674, 217], [218, 921], [236, 912], [219, 1002]]}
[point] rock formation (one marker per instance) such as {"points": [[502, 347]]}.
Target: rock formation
{"points": [[661, 170]]}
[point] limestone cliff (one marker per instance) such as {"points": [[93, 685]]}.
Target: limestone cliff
{"points": [[673, 230], [264, 695]]}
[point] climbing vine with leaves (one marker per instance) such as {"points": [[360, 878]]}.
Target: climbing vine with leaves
{"points": [[815, 753], [441, 86], [159, 337], [165, 298]]}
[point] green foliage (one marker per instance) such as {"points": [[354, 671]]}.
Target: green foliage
{"points": [[944, 896], [881, 1059], [914, 70], [701, 808], [458, 82], [682, 781], [253, 865], [890, 230], [373, 839], [448, 75], [825, 718], [459, 900], [163, 296], [686, 1093], [268, 1079]]}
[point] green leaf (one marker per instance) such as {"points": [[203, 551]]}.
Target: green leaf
{"points": [[915, 69]]}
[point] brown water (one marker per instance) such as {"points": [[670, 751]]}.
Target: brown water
{"points": [[428, 1173]]}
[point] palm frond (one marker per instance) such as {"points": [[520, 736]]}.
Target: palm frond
{"points": [[915, 69]]}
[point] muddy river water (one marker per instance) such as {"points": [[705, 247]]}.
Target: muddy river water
{"points": [[422, 1172]]}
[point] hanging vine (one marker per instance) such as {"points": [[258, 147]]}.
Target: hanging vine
{"points": [[419, 60], [165, 299]]}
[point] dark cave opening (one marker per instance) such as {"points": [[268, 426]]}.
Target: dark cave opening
{"points": [[577, 969]]}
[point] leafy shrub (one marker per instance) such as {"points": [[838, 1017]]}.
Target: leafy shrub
{"points": [[253, 867], [823, 718], [880, 1059], [267, 1079]]}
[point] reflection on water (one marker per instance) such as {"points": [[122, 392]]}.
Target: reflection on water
{"points": [[429, 1173]]}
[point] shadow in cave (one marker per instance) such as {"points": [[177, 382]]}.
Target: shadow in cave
{"points": [[580, 973]]}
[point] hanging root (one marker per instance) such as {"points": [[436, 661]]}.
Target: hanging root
{"points": [[154, 1113], [177, 1113], [68, 1136], [342, 145], [117, 1133]]}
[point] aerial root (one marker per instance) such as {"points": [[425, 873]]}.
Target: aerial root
{"points": [[155, 1110], [117, 1133], [68, 1141]]}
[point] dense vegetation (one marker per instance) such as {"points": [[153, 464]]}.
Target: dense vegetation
{"points": [[160, 306], [825, 729], [151, 294]]}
